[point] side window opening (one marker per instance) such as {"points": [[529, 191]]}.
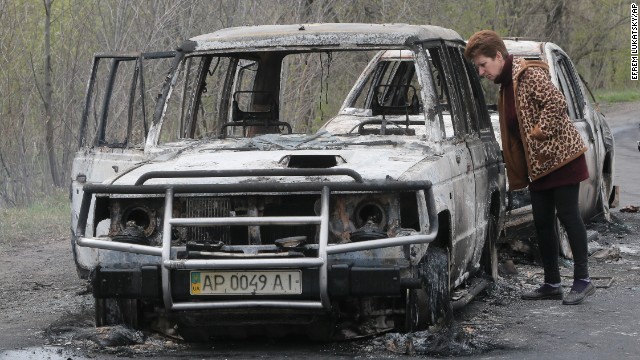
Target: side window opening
{"points": [[121, 98], [108, 111], [248, 94], [574, 82], [389, 100], [213, 98], [199, 100], [479, 97], [314, 86], [569, 88], [468, 104], [454, 124], [116, 117]]}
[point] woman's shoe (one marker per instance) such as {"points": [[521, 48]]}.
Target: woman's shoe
{"points": [[579, 292], [544, 292]]}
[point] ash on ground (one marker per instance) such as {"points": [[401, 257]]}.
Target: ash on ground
{"points": [[77, 331]]}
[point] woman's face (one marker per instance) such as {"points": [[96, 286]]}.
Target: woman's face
{"points": [[488, 67]]}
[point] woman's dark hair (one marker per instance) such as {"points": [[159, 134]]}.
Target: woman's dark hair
{"points": [[487, 43]]}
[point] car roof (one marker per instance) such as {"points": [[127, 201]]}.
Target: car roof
{"points": [[525, 48], [322, 34]]}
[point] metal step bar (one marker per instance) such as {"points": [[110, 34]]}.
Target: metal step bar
{"points": [[422, 188]]}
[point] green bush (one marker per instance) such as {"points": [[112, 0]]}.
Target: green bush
{"points": [[613, 96]]}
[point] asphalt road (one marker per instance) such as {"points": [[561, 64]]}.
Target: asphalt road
{"points": [[625, 123], [39, 320]]}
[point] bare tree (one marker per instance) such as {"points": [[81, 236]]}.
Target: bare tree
{"points": [[47, 98]]}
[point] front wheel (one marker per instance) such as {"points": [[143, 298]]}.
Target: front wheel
{"points": [[430, 304], [118, 312]]}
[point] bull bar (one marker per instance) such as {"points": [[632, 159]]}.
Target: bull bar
{"points": [[423, 191]]}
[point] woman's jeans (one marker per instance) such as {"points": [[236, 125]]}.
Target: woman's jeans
{"points": [[544, 204]]}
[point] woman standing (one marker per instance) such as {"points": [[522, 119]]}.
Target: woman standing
{"points": [[542, 150]]}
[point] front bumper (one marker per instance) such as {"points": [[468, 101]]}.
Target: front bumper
{"points": [[344, 280]]}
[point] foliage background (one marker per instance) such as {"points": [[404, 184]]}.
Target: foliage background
{"points": [[595, 33]]}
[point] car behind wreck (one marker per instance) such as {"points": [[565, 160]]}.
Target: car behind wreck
{"points": [[225, 213], [598, 193]]}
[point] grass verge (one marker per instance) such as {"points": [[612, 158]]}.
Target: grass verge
{"points": [[614, 96], [46, 219]]}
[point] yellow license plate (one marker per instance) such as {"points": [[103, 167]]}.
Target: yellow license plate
{"points": [[264, 282]]}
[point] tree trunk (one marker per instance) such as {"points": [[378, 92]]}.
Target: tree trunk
{"points": [[554, 18], [49, 129]]}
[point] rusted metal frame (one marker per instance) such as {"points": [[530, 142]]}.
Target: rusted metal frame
{"points": [[248, 172]]}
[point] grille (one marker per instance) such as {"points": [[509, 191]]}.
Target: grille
{"points": [[208, 207]]}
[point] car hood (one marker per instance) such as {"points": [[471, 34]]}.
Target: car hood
{"points": [[375, 158]]}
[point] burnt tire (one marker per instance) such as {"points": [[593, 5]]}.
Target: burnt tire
{"points": [[416, 318], [489, 258], [436, 283], [118, 312], [431, 304], [321, 329]]}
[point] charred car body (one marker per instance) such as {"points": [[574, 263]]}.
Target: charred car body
{"points": [[217, 213]]}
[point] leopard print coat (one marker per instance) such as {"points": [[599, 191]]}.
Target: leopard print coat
{"points": [[548, 137]]}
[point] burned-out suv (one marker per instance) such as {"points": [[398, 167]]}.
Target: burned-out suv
{"points": [[226, 212]]}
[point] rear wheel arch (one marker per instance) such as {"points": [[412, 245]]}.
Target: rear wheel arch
{"points": [[606, 191], [489, 258]]}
